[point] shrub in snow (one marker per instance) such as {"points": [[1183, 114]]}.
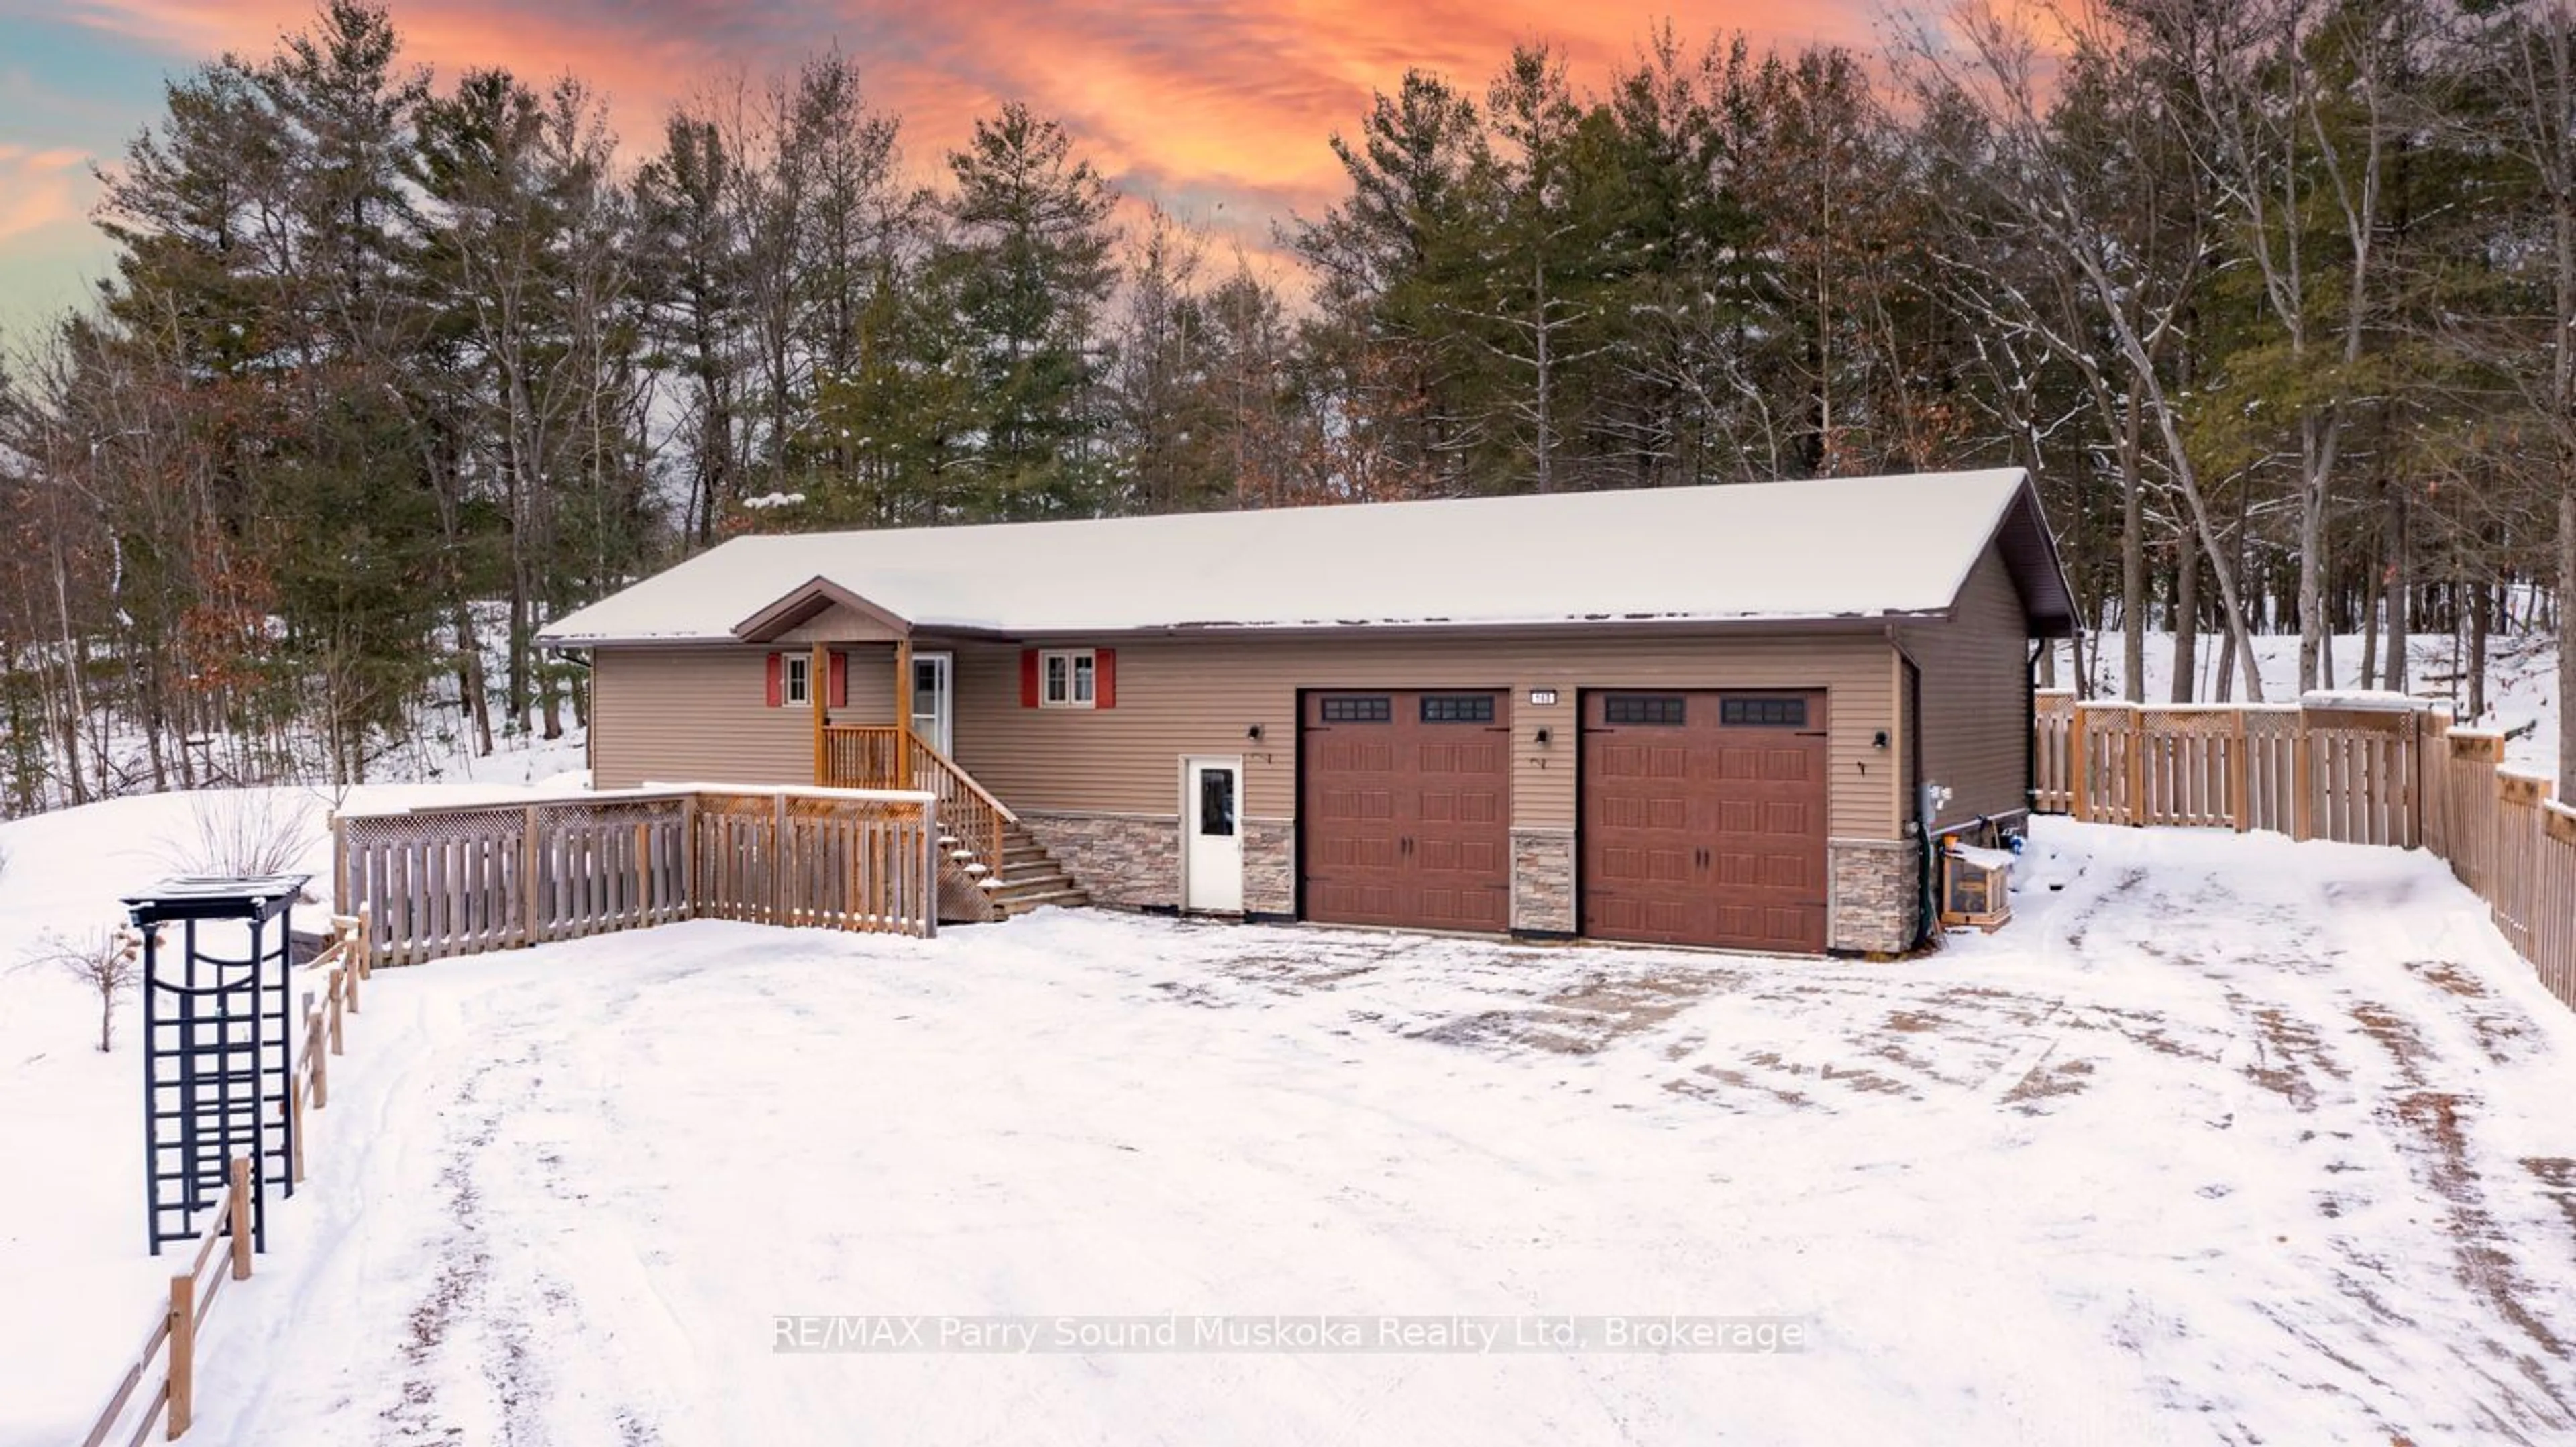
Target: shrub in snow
{"points": [[108, 961], [242, 833]]}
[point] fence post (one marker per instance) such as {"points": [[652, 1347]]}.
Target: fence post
{"points": [[356, 963], [295, 1108], [930, 868], [531, 850], [2137, 768], [237, 1206], [689, 857], [340, 890], [339, 986], [2300, 784], [2240, 776], [778, 859], [2079, 763], [320, 1057], [183, 1353]]}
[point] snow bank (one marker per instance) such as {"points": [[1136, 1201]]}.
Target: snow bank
{"points": [[79, 1288]]}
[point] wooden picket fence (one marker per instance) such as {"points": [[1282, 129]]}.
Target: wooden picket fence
{"points": [[2406, 777], [158, 1384], [462, 879]]}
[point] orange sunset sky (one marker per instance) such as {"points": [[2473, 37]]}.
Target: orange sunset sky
{"points": [[1219, 109]]}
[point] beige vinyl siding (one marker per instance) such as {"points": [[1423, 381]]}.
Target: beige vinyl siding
{"points": [[701, 713], [1975, 704], [1201, 696]]}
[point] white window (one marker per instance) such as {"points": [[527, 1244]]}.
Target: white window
{"points": [[1068, 678], [799, 679]]}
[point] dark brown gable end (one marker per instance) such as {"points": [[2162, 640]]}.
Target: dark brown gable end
{"points": [[810, 600]]}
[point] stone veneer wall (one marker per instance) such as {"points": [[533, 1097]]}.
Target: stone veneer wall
{"points": [[1543, 881], [1129, 859], [1135, 859], [1875, 895], [1270, 866]]}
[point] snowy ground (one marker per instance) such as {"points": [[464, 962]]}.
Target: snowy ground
{"points": [[2224, 1140], [2522, 679]]}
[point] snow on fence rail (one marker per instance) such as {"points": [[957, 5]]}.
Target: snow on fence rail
{"points": [[167, 1360], [2343, 768], [463, 879]]}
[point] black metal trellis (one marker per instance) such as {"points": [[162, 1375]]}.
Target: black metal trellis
{"points": [[218, 1050]]}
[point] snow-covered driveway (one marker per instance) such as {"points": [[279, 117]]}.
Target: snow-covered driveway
{"points": [[2225, 1140]]}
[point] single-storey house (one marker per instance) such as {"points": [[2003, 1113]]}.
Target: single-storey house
{"points": [[1705, 715]]}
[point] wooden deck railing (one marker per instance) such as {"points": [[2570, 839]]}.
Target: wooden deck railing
{"points": [[168, 1358], [861, 756], [2403, 777], [833, 861], [2342, 773], [865, 756], [460, 880], [968, 813]]}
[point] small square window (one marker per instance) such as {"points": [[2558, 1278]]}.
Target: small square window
{"points": [[1763, 713], [1466, 708], [1068, 678], [1652, 709], [799, 679], [1358, 708]]}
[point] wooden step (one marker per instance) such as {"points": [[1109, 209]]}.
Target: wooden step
{"points": [[1027, 887], [1013, 906]]}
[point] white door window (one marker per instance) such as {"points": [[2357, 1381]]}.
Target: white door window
{"points": [[1212, 830], [933, 701]]}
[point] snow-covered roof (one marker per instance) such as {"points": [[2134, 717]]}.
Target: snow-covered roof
{"points": [[1830, 548]]}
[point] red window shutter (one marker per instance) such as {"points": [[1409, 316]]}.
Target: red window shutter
{"points": [[1028, 678], [1104, 678], [777, 679], [840, 680]]}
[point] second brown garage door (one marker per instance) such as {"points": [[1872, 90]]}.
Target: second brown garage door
{"points": [[1704, 818], [1404, 808]]}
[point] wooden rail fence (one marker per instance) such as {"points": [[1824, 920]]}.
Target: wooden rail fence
{"points": [[2335, 770], [463, 879], [158, 1384]]}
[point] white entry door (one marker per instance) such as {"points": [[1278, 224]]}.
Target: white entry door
{"points": [[934, 699], [1212, 835]]}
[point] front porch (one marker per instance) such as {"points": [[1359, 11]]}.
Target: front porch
{"points": [[901, 738]]}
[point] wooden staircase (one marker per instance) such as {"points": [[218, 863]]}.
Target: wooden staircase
{"points": [[990, 868], [1029, 878]]}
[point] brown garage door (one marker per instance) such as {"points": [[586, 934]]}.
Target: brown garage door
{"points": [[1704, 818], [1403, 808]]}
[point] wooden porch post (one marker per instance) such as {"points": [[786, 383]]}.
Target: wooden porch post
{"points": [[818, 688], [903, 712]]}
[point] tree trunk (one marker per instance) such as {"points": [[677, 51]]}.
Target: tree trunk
{"points": [[2481, 613], [2370, 636], [2566, 604], [2398, 672], [550, 703], [470, 681], [2186, 621], [2133, 566]]}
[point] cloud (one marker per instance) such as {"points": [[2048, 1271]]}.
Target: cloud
{"points": [[1211, 96], [40, 189]]}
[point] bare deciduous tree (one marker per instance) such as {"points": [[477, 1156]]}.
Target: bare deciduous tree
{"points": [[107, 961]]}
